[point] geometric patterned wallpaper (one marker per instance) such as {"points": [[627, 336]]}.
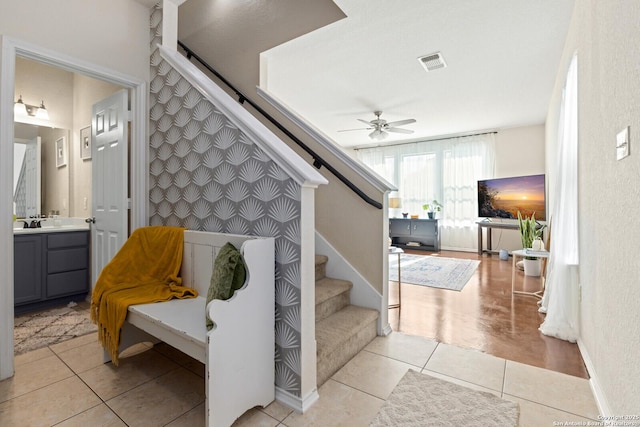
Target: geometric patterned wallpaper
{"points": [[206, 174]]}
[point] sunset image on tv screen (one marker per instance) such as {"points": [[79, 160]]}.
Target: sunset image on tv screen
{"points": [[504, 197]]}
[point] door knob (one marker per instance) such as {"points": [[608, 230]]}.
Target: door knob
{"points": [[91, 220]]}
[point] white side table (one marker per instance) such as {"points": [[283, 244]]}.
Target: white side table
{"points": [[526, 253], [394, 250]]}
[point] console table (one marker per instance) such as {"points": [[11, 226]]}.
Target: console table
{"points": [[489, 225], [420, 234]]}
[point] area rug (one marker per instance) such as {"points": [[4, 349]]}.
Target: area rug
{"points": [[433, 271], [41, 329], [421, 400]]}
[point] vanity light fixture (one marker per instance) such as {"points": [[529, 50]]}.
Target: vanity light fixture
{"points": [[42, 112], [19, 109], [22, 109]]}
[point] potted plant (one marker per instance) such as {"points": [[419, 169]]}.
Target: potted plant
{"points": [[432, 208], [530, 231]]}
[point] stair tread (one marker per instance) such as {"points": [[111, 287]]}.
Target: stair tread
{"points": [[328, 287], [321, 259], [340, 326]]}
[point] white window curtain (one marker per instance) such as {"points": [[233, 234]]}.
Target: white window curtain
{"points": [[445, 170], [560, 300]]}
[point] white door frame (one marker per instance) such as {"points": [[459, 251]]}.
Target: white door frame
{"points": [[11, 48]]}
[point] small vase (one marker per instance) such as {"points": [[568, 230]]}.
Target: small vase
{"points": [[536, 245], [430, 215]]}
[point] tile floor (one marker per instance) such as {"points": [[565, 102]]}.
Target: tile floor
{"points": [[67, 384]]}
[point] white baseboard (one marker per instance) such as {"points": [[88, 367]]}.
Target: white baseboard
{"points": [[601, 399], [297, 403]]}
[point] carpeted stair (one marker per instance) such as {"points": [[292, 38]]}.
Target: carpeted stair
{"points": [[342, 329]]}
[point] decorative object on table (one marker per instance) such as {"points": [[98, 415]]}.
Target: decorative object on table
{"points": [[414, 216], [61, 152], [405, 214], [448, 404], [537, 244], [434, 271], [530, 230], [432, 208], [85, 143]]}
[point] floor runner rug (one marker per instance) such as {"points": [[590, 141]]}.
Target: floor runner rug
{"points": [[41, 329], [421, 400], [433, 271]]}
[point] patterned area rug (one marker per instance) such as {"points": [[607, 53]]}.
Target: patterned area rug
{"points": [[434, 271], [421, 400], [44, 328]]}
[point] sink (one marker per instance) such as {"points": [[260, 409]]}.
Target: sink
{"points": [[61, 224]]}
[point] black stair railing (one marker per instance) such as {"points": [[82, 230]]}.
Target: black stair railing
{"points": [[318, 161]]}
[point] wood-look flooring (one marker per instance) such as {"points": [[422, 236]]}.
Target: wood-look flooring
{"points": [[485, 316]]}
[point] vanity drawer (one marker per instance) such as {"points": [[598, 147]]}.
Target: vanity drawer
{"points": [[67, 239], [67, 260], [71, 282]]}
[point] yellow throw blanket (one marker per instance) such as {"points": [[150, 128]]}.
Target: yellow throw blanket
{"points": [[144, 270]]}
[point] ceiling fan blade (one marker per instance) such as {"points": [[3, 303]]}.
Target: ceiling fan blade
{"points": [[364, 121], [398, 130], [349, 130], [401, 122]]}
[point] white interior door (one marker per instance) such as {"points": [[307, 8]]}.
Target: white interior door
{"points": [[109, 154], [32, 177]]}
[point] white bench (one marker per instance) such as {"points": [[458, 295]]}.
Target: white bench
{"points": [[238, 352]]}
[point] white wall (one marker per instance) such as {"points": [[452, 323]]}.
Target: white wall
{"points": [[112, 34], [519, 151], [605, 36]]}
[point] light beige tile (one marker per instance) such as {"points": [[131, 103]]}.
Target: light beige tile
{"points": [[32, 376], [84, 357], [193, 418], [553, 389], [32, 356], [48, 405], [255, 418], [75, 342], [108, 380], [98, 416], [277, 410], [536, 415], [405, 348], [372, 373], [160, 401], [462, 383], [338, 406], [468, 365]]}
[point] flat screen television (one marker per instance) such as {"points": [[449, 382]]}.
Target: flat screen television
{"points": [[504, 197]]}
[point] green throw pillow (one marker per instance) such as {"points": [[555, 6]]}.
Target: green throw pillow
{"points": [[228, 275]]}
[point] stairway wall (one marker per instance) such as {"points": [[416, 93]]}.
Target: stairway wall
{"points": [[206, 174]]}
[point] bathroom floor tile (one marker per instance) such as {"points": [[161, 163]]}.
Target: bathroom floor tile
{"points": [[405, 348], [48, 405], [372, 373], [160, 401], [553, 389], [33, 376], [468, 365], [339, 406], [98, 416], [108, 380]]}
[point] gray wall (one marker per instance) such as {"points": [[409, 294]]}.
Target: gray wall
{"points": [[206, 174]]}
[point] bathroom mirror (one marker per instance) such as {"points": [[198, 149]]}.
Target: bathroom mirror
{"points": [[40, 187]]}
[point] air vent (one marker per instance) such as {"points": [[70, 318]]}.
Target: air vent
{"points": [[433, 61]]}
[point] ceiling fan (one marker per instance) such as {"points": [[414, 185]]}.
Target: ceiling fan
{"points": [[381, 127]]}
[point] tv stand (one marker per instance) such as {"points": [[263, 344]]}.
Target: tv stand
{"points": [[489, 225]]}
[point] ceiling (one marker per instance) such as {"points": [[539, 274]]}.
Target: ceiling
{"points": [[347, 58]]}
